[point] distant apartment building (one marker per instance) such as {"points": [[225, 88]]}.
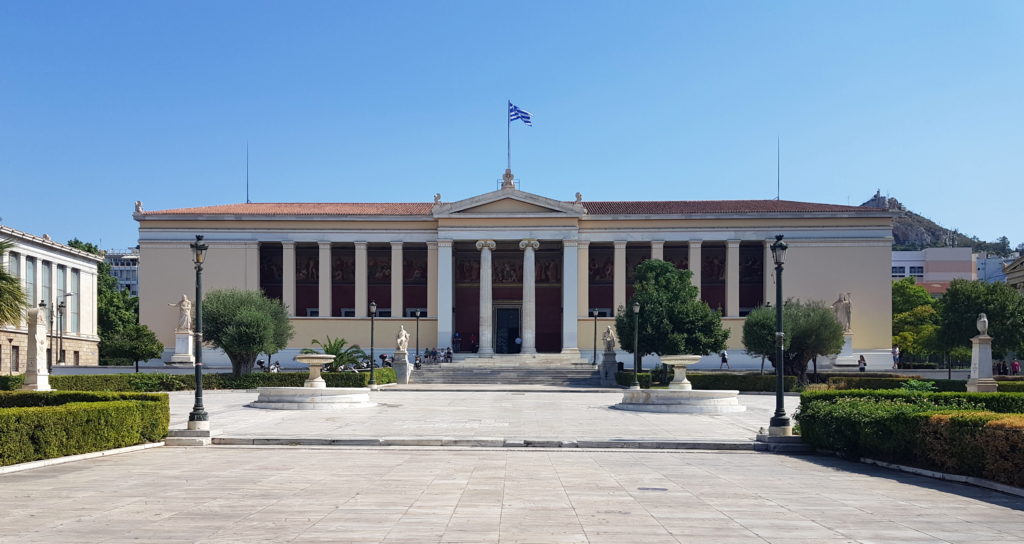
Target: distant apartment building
{"points": [[124, 266], [933, 268], [62, 280]]}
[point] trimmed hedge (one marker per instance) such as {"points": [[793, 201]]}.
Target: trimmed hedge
{"points": [[918, 431], [45, 425], [749, 381], [10, 383], [1003, 403], [186, 382], [857, 382]]}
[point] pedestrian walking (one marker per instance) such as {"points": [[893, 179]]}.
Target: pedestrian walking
{"points": [[725, 361], [862, 364]]}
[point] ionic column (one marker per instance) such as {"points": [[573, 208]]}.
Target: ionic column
{"points": [[529, 331], [582, 278], [695, 263], [288, 277], [442, 281], [619, 281], [324, 292], [362, 276], [570, 269], [769, 270], [732, 278], [432, 279], [485, 247], [658, 250], [397, 279]]}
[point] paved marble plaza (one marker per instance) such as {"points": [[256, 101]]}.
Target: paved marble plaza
{"points": [[422, 495], [523, 412]]}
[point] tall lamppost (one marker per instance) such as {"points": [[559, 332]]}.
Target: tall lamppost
{"points": [[198, 419], [594, 314], [416, 359], [373, 362], [61, 309], [49, 352], [636, 346], [780, 424]]}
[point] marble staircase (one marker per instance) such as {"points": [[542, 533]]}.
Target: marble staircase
{"points": [[540, 369]]}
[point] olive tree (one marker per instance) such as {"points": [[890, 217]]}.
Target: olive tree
{"points": [[245, 324], [811, 329], [673, 318], [133, 342]]}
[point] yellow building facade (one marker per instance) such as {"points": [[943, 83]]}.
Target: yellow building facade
{"points": [[511, 271]]}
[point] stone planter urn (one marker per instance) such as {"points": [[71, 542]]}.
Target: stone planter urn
{"points": [[679, 364], [316, 361]]}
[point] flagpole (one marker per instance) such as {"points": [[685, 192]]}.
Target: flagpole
{"points": [[508, 135]]}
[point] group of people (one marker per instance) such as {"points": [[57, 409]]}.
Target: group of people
{"points": [[433, 355], [1001, 368]]}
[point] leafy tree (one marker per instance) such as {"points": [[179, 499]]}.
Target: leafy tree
{"points": [[907, 295], [133, 342], [673, 319], [810, 329], [915, 331], [245, 324], [342, 352], [12, 298], [965, 299]]}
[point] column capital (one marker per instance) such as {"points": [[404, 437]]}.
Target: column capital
{"points": [[657, 242], [695, 241], [396, 244], [527, 243], [732, 243], [620, 244], [432, 243], [488, 244], [288, 243], [360, 243], [445, 243], [583, 244], [324, 244]]}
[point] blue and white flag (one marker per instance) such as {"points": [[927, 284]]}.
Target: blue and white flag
{"points": [[515, 113]]}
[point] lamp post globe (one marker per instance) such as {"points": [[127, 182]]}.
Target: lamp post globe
{"points": [[198, 419], [780, 424], [636, 346], [373, 362]]}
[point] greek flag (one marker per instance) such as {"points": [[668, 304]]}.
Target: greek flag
{"points": [[515, 113]]}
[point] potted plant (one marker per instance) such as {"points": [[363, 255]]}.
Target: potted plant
{"points": [[673, 322]]}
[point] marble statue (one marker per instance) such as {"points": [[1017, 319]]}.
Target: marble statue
{"points": [[184, 307], [402, 339], [579, 199], [983, 324], [609, 339], [437, 198], [138, 206], [842, 310], [508, 180]]}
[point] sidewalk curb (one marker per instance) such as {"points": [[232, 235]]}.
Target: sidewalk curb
{"points": [[491, 442], [959, 478], [72, 458]]}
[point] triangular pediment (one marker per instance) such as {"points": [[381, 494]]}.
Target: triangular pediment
{"points": [[509, 203], [1015, 266]]}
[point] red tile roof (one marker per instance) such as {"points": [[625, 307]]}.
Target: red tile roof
{"points": [[639, 207]]}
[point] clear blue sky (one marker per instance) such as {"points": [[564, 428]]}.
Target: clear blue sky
{"points": [[105, 103]]}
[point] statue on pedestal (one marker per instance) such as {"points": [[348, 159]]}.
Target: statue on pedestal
{"points": [[841, 308], [983, 324], [184, 307], [402, 339], [609, 339]]}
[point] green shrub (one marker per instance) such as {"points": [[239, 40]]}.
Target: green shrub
{"points": [[45, 425], [919, 366], [749, 381], [918, 385], [855, 427], [625, 379], [116, 361], [11, 383], [186, 382], [122, 382], [1003, 403]]}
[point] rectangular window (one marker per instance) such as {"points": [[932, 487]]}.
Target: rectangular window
{"points": [[411, 312], [16, 358], [76, 300], [30, 282], [61, 291], [77, 360], [917, 271], [63, 356], [899, 271], [14, 264], [45, 287]]}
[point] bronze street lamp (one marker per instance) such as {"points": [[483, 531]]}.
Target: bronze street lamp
{"points": [[636, 346], [594, 313], [416, 359], [198, 419], [373, 363], [780, 419]]}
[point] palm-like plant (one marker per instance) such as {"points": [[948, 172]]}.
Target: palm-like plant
{"points": [[344, 354], [12, 298]]}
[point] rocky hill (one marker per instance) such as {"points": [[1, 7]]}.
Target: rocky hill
{"points": [[911, 231]]}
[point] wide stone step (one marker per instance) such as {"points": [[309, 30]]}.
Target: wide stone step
{"points": [[458, 374]]}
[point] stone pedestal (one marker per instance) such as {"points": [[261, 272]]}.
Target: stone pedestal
{"points": [[981, 365], [609, 366], [679, 364], [403, 370], [37, 378], [184, 349], [846, 356]]}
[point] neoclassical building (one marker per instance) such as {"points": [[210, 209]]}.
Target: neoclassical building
{"points": [[510, 271]]}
